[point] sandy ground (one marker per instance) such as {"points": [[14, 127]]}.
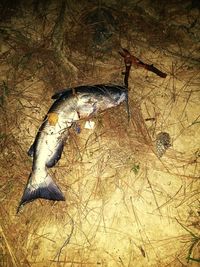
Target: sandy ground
{"points": [[124, 206]]}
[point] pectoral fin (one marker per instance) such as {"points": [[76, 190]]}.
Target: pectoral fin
{"points": [[56, 155]]}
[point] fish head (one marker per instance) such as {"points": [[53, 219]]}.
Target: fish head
{"points": [[97, 98], [114, 96], [120, 96]]}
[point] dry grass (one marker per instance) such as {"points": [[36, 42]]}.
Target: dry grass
{"points": [[125, 206]]}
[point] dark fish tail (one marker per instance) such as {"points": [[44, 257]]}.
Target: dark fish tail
{"points": [[46, 190]]}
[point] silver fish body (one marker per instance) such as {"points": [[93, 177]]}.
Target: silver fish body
{"points": [[70, 106]]}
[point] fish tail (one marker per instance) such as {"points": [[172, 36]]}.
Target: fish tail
{"points": [[46, 190]]}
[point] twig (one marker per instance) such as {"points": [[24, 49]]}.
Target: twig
{"points": [[12, 255], [130, 59], [128, 64], [66, 241]]}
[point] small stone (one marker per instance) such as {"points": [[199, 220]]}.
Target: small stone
{"points": [[163, 142]]}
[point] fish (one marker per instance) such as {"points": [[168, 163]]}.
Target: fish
{"points": [[69, 106]]}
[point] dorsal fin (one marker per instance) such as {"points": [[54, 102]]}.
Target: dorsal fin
{"points": [[66, 92]]}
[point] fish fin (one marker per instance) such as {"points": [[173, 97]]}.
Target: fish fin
{"points": [[56, 155], [31, 150], [66, 92], [46, 190]]}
